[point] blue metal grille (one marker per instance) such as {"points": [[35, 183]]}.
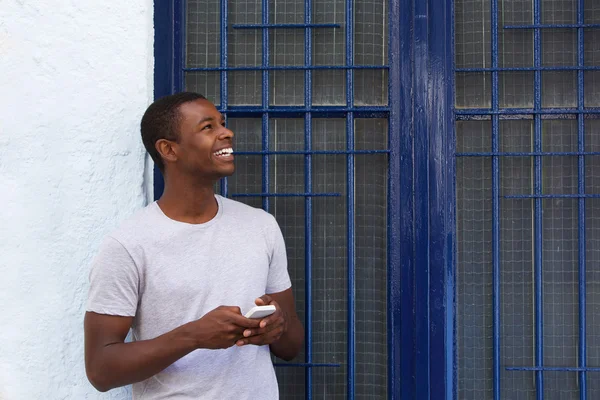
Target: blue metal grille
{"points": [[293, 138], [523, 172]]}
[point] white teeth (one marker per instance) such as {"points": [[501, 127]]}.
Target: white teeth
{"points": [[224, 152]]}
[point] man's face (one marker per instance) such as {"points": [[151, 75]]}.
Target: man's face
{"points": [[205, 145]]}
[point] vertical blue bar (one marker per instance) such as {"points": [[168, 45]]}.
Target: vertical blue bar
{"points": [[581, 206], [168, 59], [451, 261], [399, 215], [164, 65], [223, 64], [265, 103], [350, 189], [178, 44], [308, 199], [440, 177], [421, 203], [539, 316], [495, 206]]}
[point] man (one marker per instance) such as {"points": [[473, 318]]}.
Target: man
{"points": [[182, 271]]}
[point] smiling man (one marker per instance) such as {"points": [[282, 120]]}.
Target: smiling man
{"points": [[181, 272]]}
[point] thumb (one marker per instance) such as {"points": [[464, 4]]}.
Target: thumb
{"points": [[263, 300]]}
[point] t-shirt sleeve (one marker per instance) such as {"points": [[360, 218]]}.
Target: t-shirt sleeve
{"points": [[114, 281], [279, 278]]}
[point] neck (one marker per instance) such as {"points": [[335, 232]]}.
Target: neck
{"points": [[188, 201]]}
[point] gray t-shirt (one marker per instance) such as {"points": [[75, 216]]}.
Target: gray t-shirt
{"points": [[166, 273]]}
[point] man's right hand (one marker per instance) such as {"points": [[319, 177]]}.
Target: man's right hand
{"points": [[110, 362], [221, 328]]}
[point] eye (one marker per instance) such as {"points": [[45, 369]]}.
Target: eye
{"points": [[205, 127]]}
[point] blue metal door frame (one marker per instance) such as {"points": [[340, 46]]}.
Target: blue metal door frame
{"points": [[421, 223], [423, 88]]}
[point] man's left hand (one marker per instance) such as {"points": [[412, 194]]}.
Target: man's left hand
{"points": [[271, 328]]}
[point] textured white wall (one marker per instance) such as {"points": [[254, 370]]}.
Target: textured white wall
{"points": [[75, 78]]}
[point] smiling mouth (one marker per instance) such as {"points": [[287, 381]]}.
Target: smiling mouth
{"points": [[224, 153]]}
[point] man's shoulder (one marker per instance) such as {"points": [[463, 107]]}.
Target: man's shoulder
{"points": [[136, 226], [243, 211]]}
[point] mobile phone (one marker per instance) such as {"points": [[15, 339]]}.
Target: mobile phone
{"points": [[260, 312]]}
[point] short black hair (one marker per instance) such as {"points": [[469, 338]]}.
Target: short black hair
{"points": [[161, 121]]}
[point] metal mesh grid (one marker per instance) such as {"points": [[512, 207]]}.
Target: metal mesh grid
{"points": [[370, 48], [558, 175], [474, 321], [244, 87], [371, 259], [515, 50], [287, 171], [286, 48], [287, 176], [559, 48], [472, 32], [329, 48], [203, 33], [560, 291], [517, 333], [330, 263], [248, 169], [592, 232], [559, 11], [516, 254], [474, 286], [515, 46], [472, 89], [592, 58], [202, 47], [516, 89]]}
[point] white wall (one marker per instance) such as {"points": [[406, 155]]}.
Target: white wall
{"points": [[75, 78]]}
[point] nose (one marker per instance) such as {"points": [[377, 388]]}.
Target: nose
{"points": [[226, 134]]}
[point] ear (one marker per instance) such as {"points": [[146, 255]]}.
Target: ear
{"points": [[167, 150]]}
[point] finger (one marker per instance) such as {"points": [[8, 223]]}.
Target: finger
{"points": [[255, 340], [262, 330], [263, 300], [272, 319], [260, 340], [233, 309], [244, 322]]}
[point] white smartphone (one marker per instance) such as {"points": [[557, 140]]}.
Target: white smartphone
{"points": [[260, 312]]}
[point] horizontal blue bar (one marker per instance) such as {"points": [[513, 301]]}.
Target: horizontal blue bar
{"points": [[304, 152], [292, 26], [512, 69], [553, 196], [300, 114], [286, 195], [302, 109], [528, 154], [559, 369], [307, 365], [527, 117], [552, 26], [286, 68], [521, 111]]}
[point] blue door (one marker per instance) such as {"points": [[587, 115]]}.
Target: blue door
{"points": [[434, 166], [304, 86], [528, 205]]}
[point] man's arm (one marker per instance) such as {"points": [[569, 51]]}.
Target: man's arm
{"points": [[282, 330], [111, 363], [288, 345]]}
